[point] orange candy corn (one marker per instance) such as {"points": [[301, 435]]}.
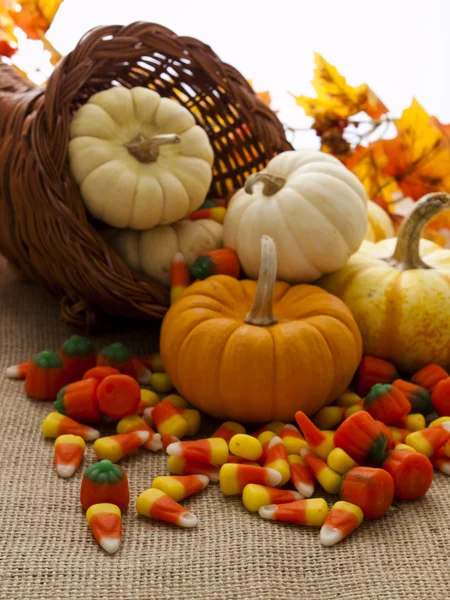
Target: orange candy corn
{"points": [[227, 430], [302, 477], [17, 371], [427, 441], [148, 400], [216, 213], [99, 373], [277, 459], [180, 466], [328, 479], [264, 438], [118, 396], [168, 439], [156, 504], [179, 487], [193, 418], [78, 401], [56, 424], [136, 423], [441, 461], [343, 518], [68, 454], [213, 451], [312, 511], [78, 356], [46, 375], [234, 478], [180, 278], [254, 496], [167, 419], [292, 439], [317, 440], [104, 482], [115, 447], [105, 522]]}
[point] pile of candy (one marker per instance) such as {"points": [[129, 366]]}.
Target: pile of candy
{"points": [[379, 441]]}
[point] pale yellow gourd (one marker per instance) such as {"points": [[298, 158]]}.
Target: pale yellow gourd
{"points": [[380, 226], [139, 159], [310, 204], [151, 252]]}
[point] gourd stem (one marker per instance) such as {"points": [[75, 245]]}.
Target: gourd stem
{"points": [[407, 254], [261, 313], [146, 149], [272, 183]]}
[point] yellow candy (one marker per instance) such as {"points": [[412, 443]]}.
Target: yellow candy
{"points": [[340, 461], [292, 439], [329, 417], [347, 398], [246, 446], [438, 421], [400, 446], [325, 447], [161, 383], [415, 422], [177, 401], [265, 437], [353, 409], [193, 419], [254, 496], [275, 426], [149, 398]]}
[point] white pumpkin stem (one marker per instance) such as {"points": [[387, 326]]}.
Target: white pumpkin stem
{"points": [[146, 149], [261, 313], [271, 183], [407, 254]]}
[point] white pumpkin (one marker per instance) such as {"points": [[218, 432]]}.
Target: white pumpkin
{"points": [[151, 252], [310, 204], [380, 226], [139, 159]]}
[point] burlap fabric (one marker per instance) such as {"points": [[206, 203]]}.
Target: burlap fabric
{"points": [[47, 551]]}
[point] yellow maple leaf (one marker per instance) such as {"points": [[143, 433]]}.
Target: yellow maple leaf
{"points": [[336, 97], [35, 16], [8, 41]]}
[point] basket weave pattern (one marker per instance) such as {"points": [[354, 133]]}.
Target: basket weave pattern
{"points": [[44, 228]]}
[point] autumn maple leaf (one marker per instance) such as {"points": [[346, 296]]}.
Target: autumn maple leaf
{"points": [[8, 41]]}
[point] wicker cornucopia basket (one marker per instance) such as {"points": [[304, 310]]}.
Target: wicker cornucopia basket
{"points": [[44, 228]]}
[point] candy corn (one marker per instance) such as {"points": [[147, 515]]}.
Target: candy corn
{"points": [[427, 441], [412, 473], [78, 356], [161, 383], [292, 439], [115, 447], [148, 400], [99, 373], [386, 403], [153, 362], [264, 439], [274, 426], [180, 466], [429, 376], [373, 370], [68, 454], [245, 446], [177, 401], [78, 401], [312, 511], [104, 482], [302, 477], [328, 479], [369, 488], [167, 419], [317, 440], [105, 522], [412, 422], [216, 213], [254, 496], [56, 424], [155, 504], [418, 397], [399, 434], [223, 261], [340, 461], [168, 439], [193, 419], [276, 458], [343, 518], [180, 278], [179, 487], [17, 371], [213, 451], [118, 396], [329, 417], [234, 478], [136, 423], [46, 375], [347, 399], [441, 461]]}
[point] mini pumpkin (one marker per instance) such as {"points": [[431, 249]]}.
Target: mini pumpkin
{"points": [[312, 206], [380, 225], [398, 292], [139, 159], [259, 351], [151, 251]]}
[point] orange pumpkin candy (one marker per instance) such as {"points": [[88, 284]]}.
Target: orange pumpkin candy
{"points": [[230, 356]]}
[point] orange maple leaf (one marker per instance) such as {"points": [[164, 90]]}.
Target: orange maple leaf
{"points": [[335, 97], [35, 16], [8, 41]]}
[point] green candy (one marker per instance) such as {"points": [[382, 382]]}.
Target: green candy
{"points": [[77, 346], [202, 268], [104, 472], [58, 405], [48, 360], [116, 353]]}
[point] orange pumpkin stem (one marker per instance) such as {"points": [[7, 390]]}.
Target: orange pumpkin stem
{"points": [[406, 254], [261, 313], [271, 183], [146, 149]]}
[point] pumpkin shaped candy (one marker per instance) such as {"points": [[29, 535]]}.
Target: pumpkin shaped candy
{"points": [[139, 159], [259, 351], [313, 207], [399, 292]]}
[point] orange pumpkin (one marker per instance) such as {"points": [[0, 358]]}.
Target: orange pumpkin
{"points": [[232, 357]]}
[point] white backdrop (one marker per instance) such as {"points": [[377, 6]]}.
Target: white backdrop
{"points": [[401, 48]]}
